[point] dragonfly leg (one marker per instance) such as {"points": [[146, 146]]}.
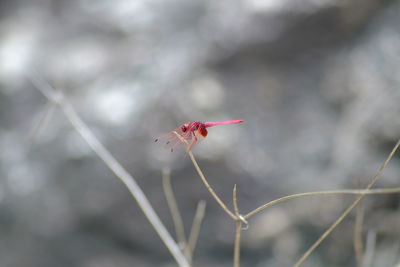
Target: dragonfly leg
{"points": [[193, 142]]}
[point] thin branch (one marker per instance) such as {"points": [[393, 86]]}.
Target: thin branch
{"points": [[324, 193], [113, 165], [238, 230], [209, 188], [369, 248], [349, 209], [204, 180], [236, 253], [234, 200], [197, 221], [173, 207], [44, 120], [357, 236]]}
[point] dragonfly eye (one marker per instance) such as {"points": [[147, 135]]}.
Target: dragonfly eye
{"points": [[184, 128]]}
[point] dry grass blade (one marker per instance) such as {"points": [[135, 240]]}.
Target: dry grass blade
{"points": [[369, 249], [195, 230], [173, 207], [349, 209], [58, 98], [357, 237], [44, 120], [234, 200]]}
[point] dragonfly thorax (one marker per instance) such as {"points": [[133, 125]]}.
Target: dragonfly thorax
{"points": [[184, 127]]}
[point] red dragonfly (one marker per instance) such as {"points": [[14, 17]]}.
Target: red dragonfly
{"points": [[192, 132]]}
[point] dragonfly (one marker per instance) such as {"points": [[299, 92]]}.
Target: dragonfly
{"points": [[192, 132]]}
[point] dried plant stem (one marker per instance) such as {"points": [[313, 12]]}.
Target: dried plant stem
{"points": [[209, 188], [369, 249], [236, 252], [323, 193], [204, 180], [238, 230], [357, 236], [113, 165], [234, 200], [195, 230], [173, 207], [44, 120], [349, 209]]}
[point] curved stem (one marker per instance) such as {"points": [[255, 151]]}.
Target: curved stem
{"points": [[204, 180], [209, 188], [323, 193]]}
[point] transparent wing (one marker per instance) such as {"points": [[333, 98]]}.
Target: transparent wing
{"points": [[192, 136], [171, 140]]}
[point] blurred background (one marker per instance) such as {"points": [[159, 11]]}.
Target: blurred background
{"points": [[316, 83]]}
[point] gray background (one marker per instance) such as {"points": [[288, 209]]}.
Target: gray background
{"points": [[316, 83]]}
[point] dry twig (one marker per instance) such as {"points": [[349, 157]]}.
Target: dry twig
{"points": [[204, 180], [369, 249], [44, 120], [238, 230], [349, 209], [58, 98], [357, 236], [323, 193], [195, 229], [173, 207]]}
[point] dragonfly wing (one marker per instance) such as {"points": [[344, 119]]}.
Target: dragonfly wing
{"points": [[171, 139], [192, 132]]}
